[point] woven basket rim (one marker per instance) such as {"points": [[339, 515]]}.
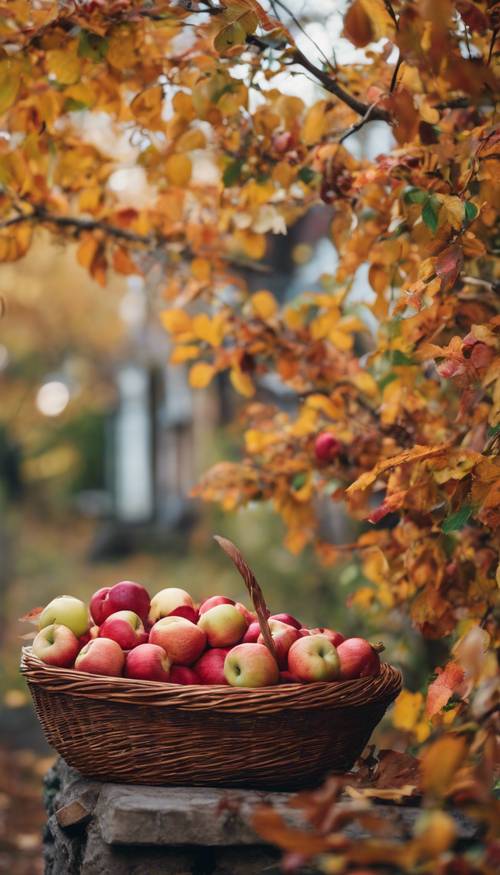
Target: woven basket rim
{"points": [[197, 697]]}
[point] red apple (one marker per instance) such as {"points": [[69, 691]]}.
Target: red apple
{"points": [[124, 627], [249, 616], [283, 637], [148, 662], [101, 656], [326, 447], [314, 658], [252, 633], [166, 601], [183, 640], [358, 659], [223, 625], [288, 619], [335, 637], [187, 612], [56, 645], [304, 633], [213, 601], [251, 665], [286, 677], [66, 610], [181, 674], [210, 666], [123, 596]]}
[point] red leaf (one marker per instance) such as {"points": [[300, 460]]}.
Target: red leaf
{"points": [[448, 681], [449, 264], [390, 503], [31, 616]]}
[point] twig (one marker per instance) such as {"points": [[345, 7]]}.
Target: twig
{"points": [[492, 46], [302, 29], [358, 125], [395, 73]]}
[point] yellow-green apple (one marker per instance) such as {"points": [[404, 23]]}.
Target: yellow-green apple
{"points": [[335, 637], [101, 656], [147, 662], [67, 611], [223, 625], [288, 619], [252, 633], [283, 636], [249, 616], [123, 596], [210, 666], [56, 645], [251, 665], [213, 601], [183, 641], [314, 658], [166, 601], [181, 674], [358, 659], [124, 627]]}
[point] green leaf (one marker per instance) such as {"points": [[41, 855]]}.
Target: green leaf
{"points": [[389, 378], [92, 46], [457, 520], [415, 196], [72, 105], [470, 210], [299, 481], [430, 213], [400, 358], [306, 175], [232, 173], [493, 430]]}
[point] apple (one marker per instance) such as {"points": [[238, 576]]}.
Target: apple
{"points": [[358, 659], [56, 645], [283, 636], [183, 640], [314, 658], [223, 625], [166, 601], [304, 633], [187, 612], [250, 665], [124, 596], [67, 611], [288, 619], [326, 447], [286, 677], [210, 666], [249, 616], [147, 662], [335, 637], [252, 633], [213, 601], [181, 674], [124, 627], [101, 656]]}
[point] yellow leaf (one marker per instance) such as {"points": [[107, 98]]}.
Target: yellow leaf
{"points": [[121, 48], [366, 384], [253, 245], [233, 34], [416, 454], [64, 64], [210, 330], [264, 305], [454, 209], [178, 169], [256, 441], [184, 353], [176, 321], [86, 251], [440, 762], [147, 107], [315, 124], [341, 339], [242, 382], [407, 710], [10, 81], [200, 375], [333, 409], [201, 269], [190, 140]]}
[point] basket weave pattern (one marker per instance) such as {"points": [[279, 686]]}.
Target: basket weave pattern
{"points": [[145, 732]]}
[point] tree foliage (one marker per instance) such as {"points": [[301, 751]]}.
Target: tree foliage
{"points": [[189, 96]]}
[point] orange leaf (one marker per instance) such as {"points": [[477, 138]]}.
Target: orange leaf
{"points": [[448, 681], [417, 454], [449, 264], [201, 375], [123, 263]]}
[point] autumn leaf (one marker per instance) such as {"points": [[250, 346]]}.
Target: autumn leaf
{"points": [[439, 763], [417, 453], [449, 264], [448, 681], [200, 375]]}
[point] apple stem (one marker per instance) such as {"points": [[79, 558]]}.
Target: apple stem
{"points": [[378, 647]]}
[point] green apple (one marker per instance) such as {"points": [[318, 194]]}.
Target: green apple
{"points": [[67, 611]]}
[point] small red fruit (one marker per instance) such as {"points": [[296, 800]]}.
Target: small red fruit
{"points": [[181, 674], [327, 447], [187, 612], [335, 637], [358, 659], [288, 619]]}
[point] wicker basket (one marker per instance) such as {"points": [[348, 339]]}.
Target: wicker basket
{"points": [[145, 732]]}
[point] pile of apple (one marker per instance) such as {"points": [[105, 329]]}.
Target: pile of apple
{"points": [[167, 638]]}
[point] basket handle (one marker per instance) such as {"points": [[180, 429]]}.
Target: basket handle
{"points": [[254, 590]]}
